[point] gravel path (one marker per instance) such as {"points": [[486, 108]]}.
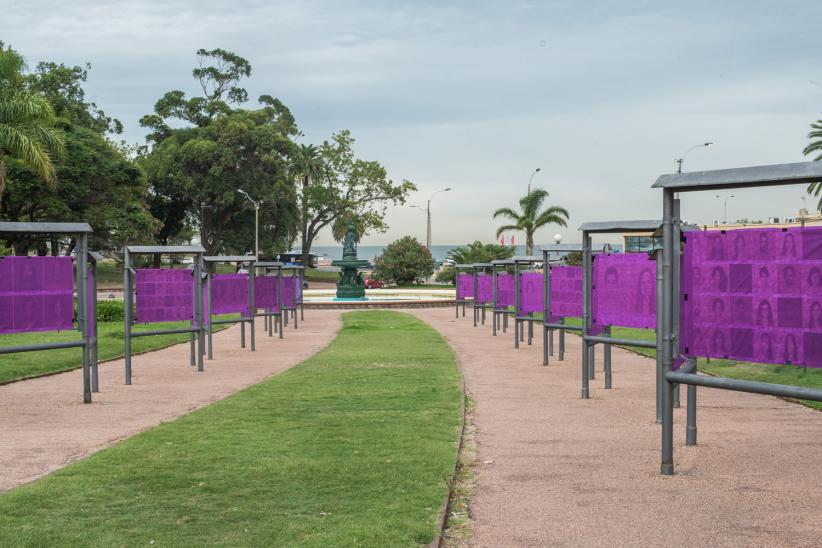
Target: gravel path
{"points": [[44, 425], [553, 469]]}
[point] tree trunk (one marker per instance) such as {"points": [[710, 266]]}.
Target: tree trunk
{"points": [[529, 244]]}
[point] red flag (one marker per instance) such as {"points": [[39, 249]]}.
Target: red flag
{"points": [[512, 240], [502, 240]]}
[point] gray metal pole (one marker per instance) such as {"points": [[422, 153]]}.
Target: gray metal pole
{"points": [[562, 342], [127, 289], [659, 349], [82, 295], [302, 301], [547, 334], [280, 298], [690, 428], [592, 368], [208, 315], [606, 358], [494, 300], [295, 290], [476, 288], [667, 456], [95, 374], [677, 253], [251, 309], [198, 309], [586, 308]]}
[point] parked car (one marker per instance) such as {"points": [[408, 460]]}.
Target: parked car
{"points": [[372, 283]]}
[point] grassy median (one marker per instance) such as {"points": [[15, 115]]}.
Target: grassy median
{"points": [[352, 447]]}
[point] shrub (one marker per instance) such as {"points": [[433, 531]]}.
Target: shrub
{"points": [[404, 261], [110, 311]]}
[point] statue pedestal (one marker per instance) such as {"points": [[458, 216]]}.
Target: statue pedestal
{"points": [[350, 284]]}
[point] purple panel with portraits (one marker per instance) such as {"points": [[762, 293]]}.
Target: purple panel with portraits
{"points": [[566, 292], [505, 290], [754, 295], [164, 295], [265, 292], [36, 294], [287, 287], [624, 290], [229, 294], [465, 286], [531, 293], [485, 289]]}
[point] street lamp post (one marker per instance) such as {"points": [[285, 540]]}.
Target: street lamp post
{"points": [[682, 158], [427, 211], [256, 221], [725, 208], [531, 180]]}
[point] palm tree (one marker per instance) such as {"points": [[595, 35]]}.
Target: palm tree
{"points": [[815, 189], [26, 124], [307, 166], [531, 219]]}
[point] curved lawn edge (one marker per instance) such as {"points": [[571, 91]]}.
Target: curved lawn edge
{"points": [[281, 453]]}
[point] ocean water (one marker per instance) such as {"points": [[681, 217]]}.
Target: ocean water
{"points": [[368, 252]]}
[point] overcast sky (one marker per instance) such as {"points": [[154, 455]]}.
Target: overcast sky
{"points": [[602, 96]]}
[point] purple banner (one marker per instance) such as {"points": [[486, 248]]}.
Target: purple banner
{"points": [[229, 294], [566, 292], [288, 286], [485, 289], [624, 291], [465, 286], [164, 295], [754, 295], [531, 292], [505, 290], [265, 292], [36, 294]]}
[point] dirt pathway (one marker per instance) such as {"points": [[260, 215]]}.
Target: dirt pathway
{"points": [[44, 425], [553, 469]]}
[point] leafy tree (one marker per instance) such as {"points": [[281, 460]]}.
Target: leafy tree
{"points": [[574, 258], [27, 134], [349, 188], [99, 183], [195, 171], [815, 147], [532, 217], [404, 262], [476, 252], [306, 166]]}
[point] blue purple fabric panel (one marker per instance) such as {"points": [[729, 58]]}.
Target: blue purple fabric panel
{"points": [[566, 292], [485, 289], [36, 294], [229, 294], [265, 292], [531, 292], [505, 290], [624, 291], [164, 295], [753, 295], [465, 286]]}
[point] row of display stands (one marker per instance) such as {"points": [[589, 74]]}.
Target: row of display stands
{"points": [[50, 294], [752, 295]]}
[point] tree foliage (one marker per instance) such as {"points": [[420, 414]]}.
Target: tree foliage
{"points": [[349, 188], [475, 252], [532, 217], [27, 134], [404, 261], [815, 147]]}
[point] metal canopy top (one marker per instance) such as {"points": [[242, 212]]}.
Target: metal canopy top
{"points": [[168, 249], [469, 265], [683, 227], [562, 247], [229, 258], [756, 176], [269, 264], [484, 265], [621, 226], [293, 267], [46, 228], [526, 259], [499, 262]]}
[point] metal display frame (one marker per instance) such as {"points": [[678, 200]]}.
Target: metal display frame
{"points": [[83, 257], [297, 270], [802, 173], [457, 300], [548, 327], [196, 328], [477, 306], [272, 321], [238, 260], [499, 316], [519, 320], [590, 341]]}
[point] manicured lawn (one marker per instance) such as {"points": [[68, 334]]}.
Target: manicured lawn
{"points": [[110, 345], [352, 447], [314, 275], [780, 374]]}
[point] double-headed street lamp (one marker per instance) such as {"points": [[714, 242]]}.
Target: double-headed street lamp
{"points": [[256, 221], [725, 206], [682, 158], [428, 215], [531, 180]]}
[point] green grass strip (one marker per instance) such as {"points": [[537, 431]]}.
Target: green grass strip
{"points": [[352, 447], [110, 345]]}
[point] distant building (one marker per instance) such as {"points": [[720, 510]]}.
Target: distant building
{"points": [[803, 218]]}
